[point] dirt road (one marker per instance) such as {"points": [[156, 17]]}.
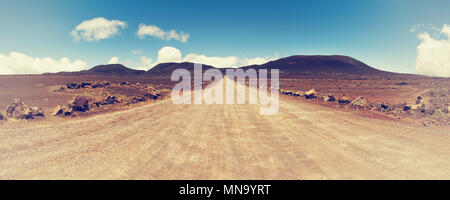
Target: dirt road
{"points": [[167, 141]]}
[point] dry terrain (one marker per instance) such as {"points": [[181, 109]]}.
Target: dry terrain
{"points": [[160, 140]]}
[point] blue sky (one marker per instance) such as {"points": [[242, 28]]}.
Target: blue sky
{"points": [[375, 32]]}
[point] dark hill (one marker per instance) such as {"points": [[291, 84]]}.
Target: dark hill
{"points": [[334, 64], [110, 69], [166, 69]]}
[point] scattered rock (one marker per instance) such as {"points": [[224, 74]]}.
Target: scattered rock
{"points": [[360, 101], [19, 110], [57, 111], [343, 100], [311, 94], [78, 104]]}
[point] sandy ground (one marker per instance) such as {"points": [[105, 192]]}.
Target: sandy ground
{"points": [[166, 141]]}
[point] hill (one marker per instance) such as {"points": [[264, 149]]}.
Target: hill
{"points": [[319, 64]]}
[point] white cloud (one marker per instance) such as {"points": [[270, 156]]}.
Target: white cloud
{"points": [[97, 29], [415, 27], [145, 64], [113, 60], [154, 31], [171, 54], [136, 51], [433, 55], [19, 63]]}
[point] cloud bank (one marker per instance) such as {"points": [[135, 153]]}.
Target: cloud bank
{"points": [[172, 54], [433, 55], [154, 31], [19, 63], [97, 29]]}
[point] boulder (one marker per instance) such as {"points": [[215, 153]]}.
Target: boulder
{"points": [[311, 94], [78, 103], [19, 110], [343, 100], [360, 101], [328, 98], [57, 111], [2, 117]]}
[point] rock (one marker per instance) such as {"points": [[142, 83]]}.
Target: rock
{"points": [[152, 95], [298, 94], [311, 94], [136, 99], [18, 110], [287, 92], [69, 112], [343, 100], [57, 111], [328, 98], [112, 100], [420, 100], [37, 111], [384, 106], [73, 86], [2, 117], [124, 83], [78, 104], [100, 84], [406, 107], [84, 84], [360, 101]]}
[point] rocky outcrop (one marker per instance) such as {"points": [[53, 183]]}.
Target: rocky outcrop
{"points": [[79, 103], [311, 94]]}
